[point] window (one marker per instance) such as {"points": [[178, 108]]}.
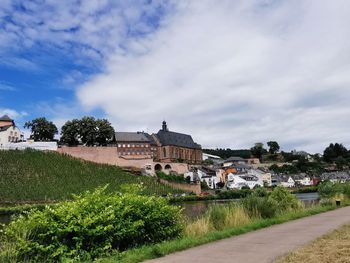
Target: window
{"points": [[164, 152], [119, 145], [9, 138], [142, 146], [133, 145], [146, 145], [128, 146]]}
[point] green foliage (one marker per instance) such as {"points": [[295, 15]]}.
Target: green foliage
{"points": [[171, 177], [43, 176], [41, 129], [204, 185], [234, 194], [259, 206], [326, 190], [92, 225], [273, 147], [284, 199], [333, 151], [258, 150], [88, 130]]}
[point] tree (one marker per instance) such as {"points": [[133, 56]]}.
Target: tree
{"points": [[273, 147], [333, 151], [41, 129], [88, 130], [70, 132], [105, 131], [258, 150]]}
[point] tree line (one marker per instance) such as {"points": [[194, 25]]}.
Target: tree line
{"points": [[87, 130]]}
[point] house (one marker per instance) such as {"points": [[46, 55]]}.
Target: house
{"points": [[335, 177], [287, 183], [207, 156], [237, 181], [234, 160], [9, 132], [135, 144], [204, 174], [176, 147], [302, 179], [263, 175]]}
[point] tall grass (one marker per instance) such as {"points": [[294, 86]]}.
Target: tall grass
{"points": [[39, 176], [218, 218]]}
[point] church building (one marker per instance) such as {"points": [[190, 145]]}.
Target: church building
{"points": [[176, 147]]}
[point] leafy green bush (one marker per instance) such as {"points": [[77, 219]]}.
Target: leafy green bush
{"points": [[326, 190], [257, 206], [92, 225], [284, 199]]}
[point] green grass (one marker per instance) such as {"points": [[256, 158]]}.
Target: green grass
{"points": [[33, 176], [162, 249]]}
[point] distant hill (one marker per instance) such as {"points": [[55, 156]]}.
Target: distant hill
{"points": [[37, 176]]}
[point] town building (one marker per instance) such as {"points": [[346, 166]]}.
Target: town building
{"points": [[9, 132], [135, 144], [176, 147]]}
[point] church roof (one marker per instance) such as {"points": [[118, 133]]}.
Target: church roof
{"points": [[5, 118], [176, 139]]}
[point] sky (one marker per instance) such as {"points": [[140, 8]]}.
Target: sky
{"points": [[230, 73]]}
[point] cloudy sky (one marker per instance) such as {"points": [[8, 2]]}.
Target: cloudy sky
{"points": [[231, 73]]}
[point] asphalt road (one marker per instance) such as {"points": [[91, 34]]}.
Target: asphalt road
{"points": [[264, 245]]}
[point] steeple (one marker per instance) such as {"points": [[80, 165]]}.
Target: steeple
{"points": [[164, 126]]}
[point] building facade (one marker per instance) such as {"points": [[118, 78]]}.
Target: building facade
{"points": [[176, 147], [9, 132], [135, 144]]}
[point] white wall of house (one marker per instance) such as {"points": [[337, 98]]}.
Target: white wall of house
{"points": [[289, 183], [237, 182], [305, 181], [11, 134], [264, 178]]}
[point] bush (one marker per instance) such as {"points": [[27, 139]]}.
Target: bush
{"points": [[92, 225], [257, 206], [234, 194], [284, 199], [326, 190]]}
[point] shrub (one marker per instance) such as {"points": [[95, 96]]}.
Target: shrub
{"points": [[261, 192], [92, 225], [326, 190], [257, 206], [285, 200], [346, 190]]}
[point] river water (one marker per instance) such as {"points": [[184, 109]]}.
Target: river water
{"points": [[194, 209]]}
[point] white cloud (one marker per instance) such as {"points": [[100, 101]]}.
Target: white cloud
{"points": [[235, 72], [12, 113]]}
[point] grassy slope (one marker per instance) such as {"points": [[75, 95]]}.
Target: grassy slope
{"points": [[332, 248], [37, 176]]}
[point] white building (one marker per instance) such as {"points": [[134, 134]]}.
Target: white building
{"points": [[265, 178], [9, 132], [207, 156], [289, 183], [237, 181]]}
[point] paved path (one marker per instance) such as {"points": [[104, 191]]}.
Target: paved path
{"points": [[264, 245]]}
